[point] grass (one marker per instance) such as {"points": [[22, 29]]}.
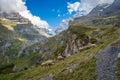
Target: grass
{"points": [[81, 29], [116, 43], [26, 61], [8, 24], [118, 69], [4, 32], [84, 71], [11, 76]]}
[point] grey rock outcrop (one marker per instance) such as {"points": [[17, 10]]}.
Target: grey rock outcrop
{"points": [[72, 46], [106, 60], [76, 44]]}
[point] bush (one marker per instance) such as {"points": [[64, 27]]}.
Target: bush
{"points": [[93, 40], [6, 69], [59, 51]]}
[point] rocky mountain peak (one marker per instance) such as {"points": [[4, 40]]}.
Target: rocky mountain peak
{"points": [[97, 11], [14, 17], [116, 0], [116, 3]]}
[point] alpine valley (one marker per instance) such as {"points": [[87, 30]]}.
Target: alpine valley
{"points": [[84, 48]]}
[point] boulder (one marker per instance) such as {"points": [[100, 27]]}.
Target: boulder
{"points": [[47, 63], [119, 55], [60, 57]]}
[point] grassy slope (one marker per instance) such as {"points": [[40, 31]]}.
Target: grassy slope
{"points": [[118, 61], [84, 59], [4, 32], [118, 69]]}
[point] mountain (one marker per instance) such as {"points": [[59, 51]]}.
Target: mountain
{"points": [[88, 50], [113, 8], [101, 15], [21, 21], [97, 11], [14, 17], [17, 33], [101, 10]]}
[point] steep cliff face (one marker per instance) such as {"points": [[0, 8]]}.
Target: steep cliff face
{"points": [[76, 44], [72, 46]]}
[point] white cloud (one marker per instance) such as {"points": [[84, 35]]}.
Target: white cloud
{"points": [[85, 5], [63, 25], [105, 1], [20, 7], [59, 15], [73, 7]]}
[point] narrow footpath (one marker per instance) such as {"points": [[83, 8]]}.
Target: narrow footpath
{"points": [[106, 60]]}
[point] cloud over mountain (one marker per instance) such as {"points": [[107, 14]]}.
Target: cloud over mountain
{"points": [[85, 6], [20, 7], [73, 7]]}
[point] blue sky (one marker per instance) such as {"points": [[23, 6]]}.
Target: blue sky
{"points": [[52, 11]]}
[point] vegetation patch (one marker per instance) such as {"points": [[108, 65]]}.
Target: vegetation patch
{"points": [[84, 71], [118, 69], [6, 69]]}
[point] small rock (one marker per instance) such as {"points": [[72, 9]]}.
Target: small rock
{"points": [[50, 77]]}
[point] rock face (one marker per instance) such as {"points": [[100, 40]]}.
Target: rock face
{"points": [[106, 60], [76, 44], [47, 63], [14, 17], [70, 68], [72, 47], [28, 31], [113, 8], [97, 11]]}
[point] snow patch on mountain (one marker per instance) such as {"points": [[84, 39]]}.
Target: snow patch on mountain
{"points": [[63, 25]]}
